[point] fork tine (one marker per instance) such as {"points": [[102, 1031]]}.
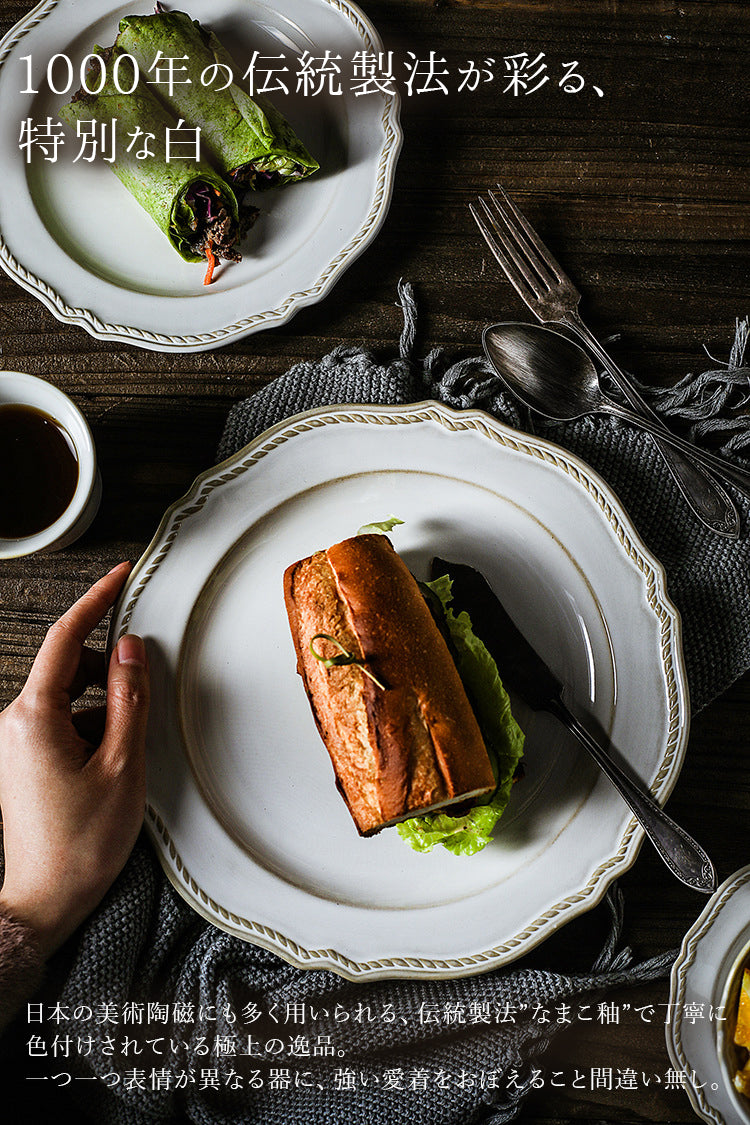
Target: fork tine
{"points": [[539, 255], [506, 253], [529, 254]]}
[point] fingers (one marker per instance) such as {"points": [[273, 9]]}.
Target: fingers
{"points": [[124, 741], [57, 662]]}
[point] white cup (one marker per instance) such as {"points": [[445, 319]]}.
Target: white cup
{"points": [[17, 389]]}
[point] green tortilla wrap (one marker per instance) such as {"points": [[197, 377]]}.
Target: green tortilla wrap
{"points": [[247, 139], [187, 199]]}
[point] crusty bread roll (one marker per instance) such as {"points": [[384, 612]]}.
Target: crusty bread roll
{"points": [[413, 744]]}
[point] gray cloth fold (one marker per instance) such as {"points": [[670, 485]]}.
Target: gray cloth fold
{"points": [[146, 945]]}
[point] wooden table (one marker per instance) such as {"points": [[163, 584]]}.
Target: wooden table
{"points": [[645, 195]]}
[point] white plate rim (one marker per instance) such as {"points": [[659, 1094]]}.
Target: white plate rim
{"points": [[671, 649], [265, 318], [719, 1110]]}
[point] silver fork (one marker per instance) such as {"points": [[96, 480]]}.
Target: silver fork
{"points": [[550, 294]]}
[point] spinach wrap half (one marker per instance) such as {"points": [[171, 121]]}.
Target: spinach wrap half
{"points": [[248, 140], [186, 198]]}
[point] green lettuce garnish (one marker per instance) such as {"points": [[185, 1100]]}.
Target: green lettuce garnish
{"points": [[468, 834], [381, 528]]}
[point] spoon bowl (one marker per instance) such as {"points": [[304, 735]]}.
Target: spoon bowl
{"points": [[548, 372], [555, 377]]}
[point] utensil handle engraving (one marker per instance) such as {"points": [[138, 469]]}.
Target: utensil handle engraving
{"points": [[685, 858], [739, 477]]}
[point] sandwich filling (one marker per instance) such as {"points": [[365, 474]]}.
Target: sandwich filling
{"points": [[468, 831]]}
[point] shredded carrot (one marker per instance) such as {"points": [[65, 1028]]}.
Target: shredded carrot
{"points": [[211, 265]]}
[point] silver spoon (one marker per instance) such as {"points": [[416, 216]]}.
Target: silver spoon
{"points": [[554, 376]]}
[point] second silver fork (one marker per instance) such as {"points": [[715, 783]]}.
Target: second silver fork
{"points": [[550, 294]]}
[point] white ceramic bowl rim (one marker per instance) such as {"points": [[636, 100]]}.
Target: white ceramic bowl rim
{"points": [[18, 388]]}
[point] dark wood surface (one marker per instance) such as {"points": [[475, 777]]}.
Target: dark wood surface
{"points": [[645, 196]]}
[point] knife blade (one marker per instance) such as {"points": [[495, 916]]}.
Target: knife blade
{"points": [[523, 671], [521, 668]]}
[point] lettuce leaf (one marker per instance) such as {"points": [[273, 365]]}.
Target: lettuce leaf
{"points": [[381, 528], [468, 834]]}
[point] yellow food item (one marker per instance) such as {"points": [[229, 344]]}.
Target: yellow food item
{"points": [[742, 1080], [741, 1077], [742, 1029]]}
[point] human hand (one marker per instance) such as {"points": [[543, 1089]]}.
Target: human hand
{"points": [[72, 802]]}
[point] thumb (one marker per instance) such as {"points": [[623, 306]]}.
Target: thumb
{"points": [[124, 740]]}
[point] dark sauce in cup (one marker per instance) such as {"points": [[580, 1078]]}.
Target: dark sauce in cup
{"points": [[38, 470]]}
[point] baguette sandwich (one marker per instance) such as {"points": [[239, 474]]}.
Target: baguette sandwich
{"points": [[383, 670]]}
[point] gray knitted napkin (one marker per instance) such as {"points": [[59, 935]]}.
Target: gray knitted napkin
{"points": [[311, 1048]]}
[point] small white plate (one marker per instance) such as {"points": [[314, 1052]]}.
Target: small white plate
{"points": [[72, 235], [242, 803], [701, 981]]}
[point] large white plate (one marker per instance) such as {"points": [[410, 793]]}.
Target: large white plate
{"points": [[242, 803], [703, 1001], [72, 235]]}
